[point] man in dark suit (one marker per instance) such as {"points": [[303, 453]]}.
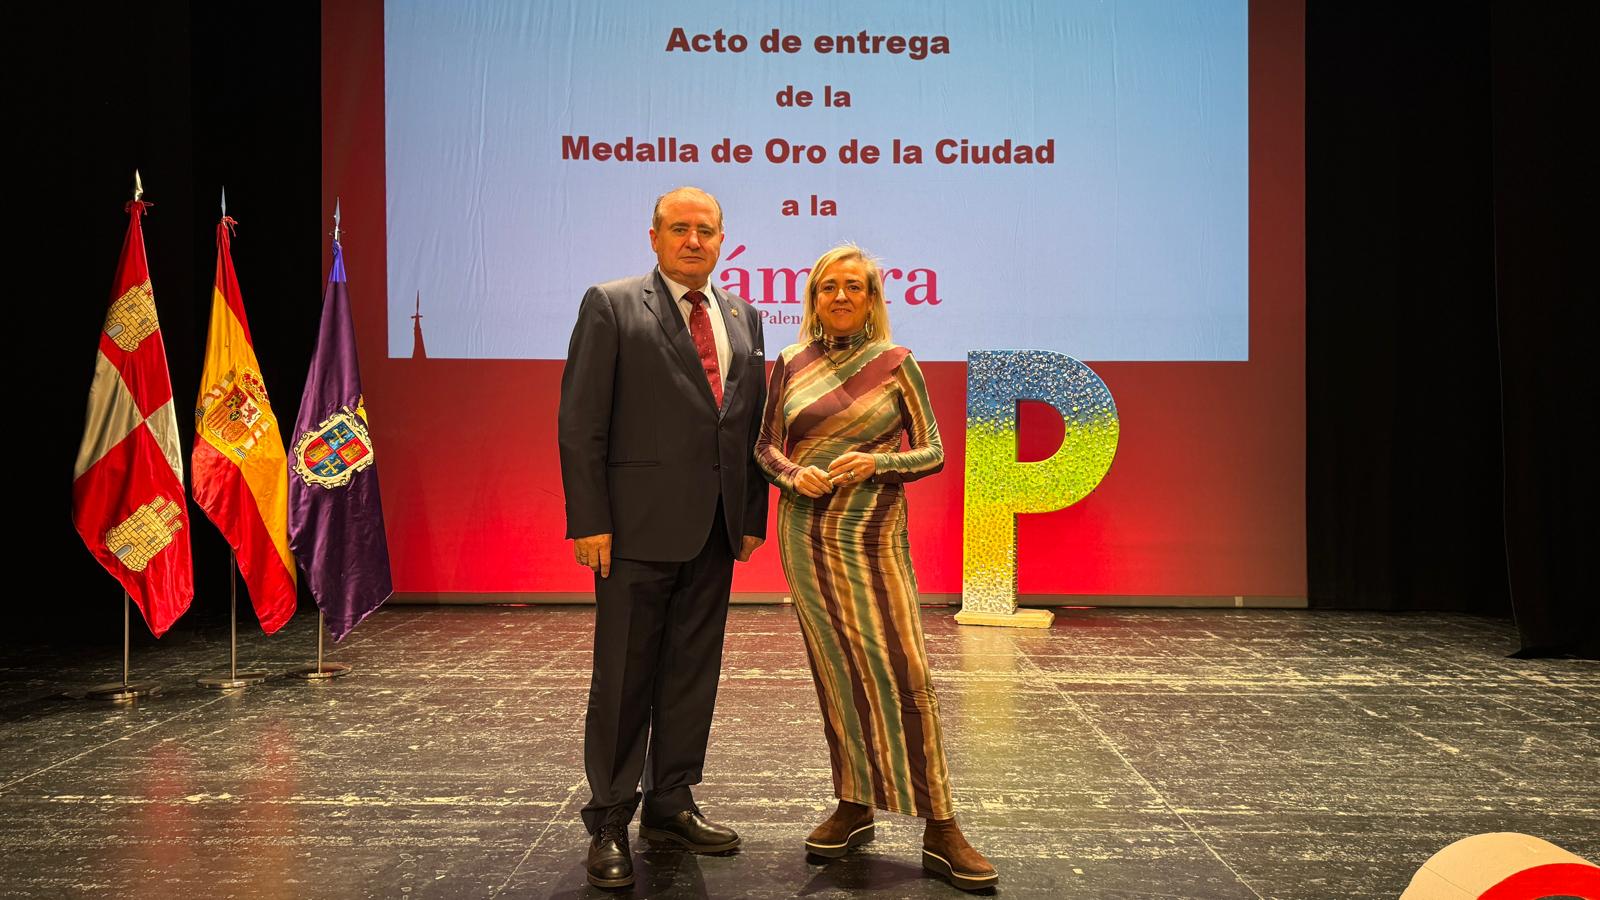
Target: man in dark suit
{"points": [[661, 399]]}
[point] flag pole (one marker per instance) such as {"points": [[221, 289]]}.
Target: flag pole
{"points": [[236, 679], [320, 670], [124, 689]]}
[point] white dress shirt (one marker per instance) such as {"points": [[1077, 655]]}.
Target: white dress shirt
{"points": [[719, 329]]}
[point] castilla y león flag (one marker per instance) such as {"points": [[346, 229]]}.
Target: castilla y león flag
{"points": [[240, 473], [127, 488]]}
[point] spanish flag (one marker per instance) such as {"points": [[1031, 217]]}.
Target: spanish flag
{"points": [[240, 472]]}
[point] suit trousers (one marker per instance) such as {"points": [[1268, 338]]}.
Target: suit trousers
{"points": [[658, 631]]}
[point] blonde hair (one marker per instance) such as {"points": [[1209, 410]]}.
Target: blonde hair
{"points": [[877, 312]]}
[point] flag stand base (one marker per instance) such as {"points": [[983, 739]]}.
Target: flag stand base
{"points": [[319, 673], [124, 689], [320, 670]]}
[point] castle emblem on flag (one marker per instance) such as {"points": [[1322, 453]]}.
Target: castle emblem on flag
{"points": [[132, 317], [333, 452], [236, 414], [138, 538]]}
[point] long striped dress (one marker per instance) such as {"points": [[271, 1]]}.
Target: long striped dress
{"points": [[848, 562]]}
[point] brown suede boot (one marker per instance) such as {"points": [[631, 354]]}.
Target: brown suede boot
{"points": [[849, 826], [945, 852]]}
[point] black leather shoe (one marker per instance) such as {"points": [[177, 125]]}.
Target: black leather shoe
{"points": [[610, 864], [690, 830]]}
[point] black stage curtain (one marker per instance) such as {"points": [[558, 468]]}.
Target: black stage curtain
{"points": [[1543, 190], [196, 96], [1441, 461]]}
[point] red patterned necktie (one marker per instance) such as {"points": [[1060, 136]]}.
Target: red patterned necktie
{"points": [[704, 342]]}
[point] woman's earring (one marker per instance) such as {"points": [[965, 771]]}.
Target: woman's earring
{"points": [[816, 330], [869, 328]]}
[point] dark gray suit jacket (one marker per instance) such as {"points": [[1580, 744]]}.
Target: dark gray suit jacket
{"points": [[645, 452]]}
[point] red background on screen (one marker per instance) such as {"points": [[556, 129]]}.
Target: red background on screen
{"points": [[1206, 496]]}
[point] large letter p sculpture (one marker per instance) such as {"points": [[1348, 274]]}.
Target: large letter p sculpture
{"points": [[998, 487]]}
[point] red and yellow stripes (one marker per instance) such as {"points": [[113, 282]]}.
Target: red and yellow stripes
{"points": [[240, 472]]}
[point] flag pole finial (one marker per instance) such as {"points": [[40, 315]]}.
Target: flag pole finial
{"points": [[138, 186], [336, 218], [224, 201]]}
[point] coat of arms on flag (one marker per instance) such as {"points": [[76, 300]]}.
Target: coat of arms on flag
{"points": [[137, 539], [332, 453], [235, 412]]}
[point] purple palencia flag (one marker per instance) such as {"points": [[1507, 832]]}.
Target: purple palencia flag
{"points": [[335, 513]]}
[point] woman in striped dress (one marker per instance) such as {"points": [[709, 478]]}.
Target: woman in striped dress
{"points": [[837, 406]]}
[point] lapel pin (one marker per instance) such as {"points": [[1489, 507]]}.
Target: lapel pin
{"points": [[734, 310]]}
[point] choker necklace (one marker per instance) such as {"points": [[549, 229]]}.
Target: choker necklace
{"points": [[844, 345]]}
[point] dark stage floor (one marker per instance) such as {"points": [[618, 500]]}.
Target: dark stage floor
{"points": [[1125, 753]]}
